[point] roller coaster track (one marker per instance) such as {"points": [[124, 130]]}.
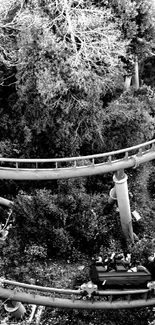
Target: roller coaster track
{"points": [[57, 168], [109, 298]]}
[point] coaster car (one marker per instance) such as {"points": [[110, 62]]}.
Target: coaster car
{"points": [[120, 277]]}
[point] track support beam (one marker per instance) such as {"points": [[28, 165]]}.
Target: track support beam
{"points": [[78, 304], [121, 186]]}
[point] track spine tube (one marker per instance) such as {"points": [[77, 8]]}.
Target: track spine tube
{"points": [[120, 179], [71, 303]]}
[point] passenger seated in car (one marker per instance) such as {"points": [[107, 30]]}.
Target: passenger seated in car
{"points": [[123, 261], [109, 262], [116, 261], [119, 261], [99, 259]]}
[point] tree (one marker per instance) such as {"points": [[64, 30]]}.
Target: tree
{"points": [[69, 65], [69, 59], [137, 24], [9, 20], [132, 114]]}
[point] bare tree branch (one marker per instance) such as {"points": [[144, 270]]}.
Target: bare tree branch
{"points": [[70, 25]]}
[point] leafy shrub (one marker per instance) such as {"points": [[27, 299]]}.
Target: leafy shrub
{"points": [[142, 249], [151, 184], [126, 116], [61, 243], [62, 224], [36, 251], [139, 316]]}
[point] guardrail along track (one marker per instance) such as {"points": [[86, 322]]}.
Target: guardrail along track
{"points": [[108, 299], [56, 168]]}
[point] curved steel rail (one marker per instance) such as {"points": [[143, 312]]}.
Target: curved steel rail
{"points": [[69, 291], [57, 168], [57, 302]]}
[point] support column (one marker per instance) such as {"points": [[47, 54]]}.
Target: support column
{"points": [[135, 78], [112, 196], [16, 309], [6, 202], [120, 179]]}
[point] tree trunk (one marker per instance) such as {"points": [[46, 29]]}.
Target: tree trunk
{"points": [[135, 79], [127, 82]]}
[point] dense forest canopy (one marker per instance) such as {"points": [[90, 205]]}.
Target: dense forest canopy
{"points": [[76, 78], [63, 64]]}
